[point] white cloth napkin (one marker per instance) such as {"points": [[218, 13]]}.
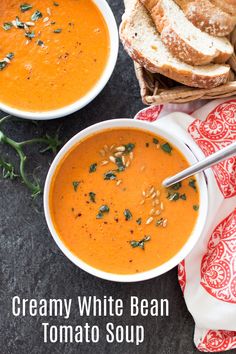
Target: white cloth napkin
{"points": [[208, 275]]}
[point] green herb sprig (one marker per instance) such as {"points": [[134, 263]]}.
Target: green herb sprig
{"points": [[8, 169]]}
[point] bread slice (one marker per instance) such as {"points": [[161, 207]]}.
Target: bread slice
{"points": [[228, 6], [184, 40], [208, 17], [143, 43]]}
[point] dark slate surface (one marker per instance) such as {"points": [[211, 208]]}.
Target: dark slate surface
{"points": [[32, 266]]}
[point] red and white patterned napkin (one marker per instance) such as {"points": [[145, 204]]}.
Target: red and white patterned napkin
{"points": [[208, 275]]}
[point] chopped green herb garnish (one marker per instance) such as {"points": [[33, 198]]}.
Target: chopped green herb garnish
{"points": [[40, 43], [129, 147], [58, 30], [159, 222], [177, 186], [10, 56], [93, 167], [127, 214], [53, 23], [103, 209], [195, 207], [92, 197], [36, 15], [55, 3], [110, 175], [173, 196], [139, 221], [167, 148], [19, 24], [192, 184], [75, 185], [120, 164], [25, 7], [155, 141], [140, 243], [176, 196], [7, 25], [3, 64], [30, 35]]}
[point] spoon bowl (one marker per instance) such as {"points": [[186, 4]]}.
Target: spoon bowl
{"points": [[202, 165]]}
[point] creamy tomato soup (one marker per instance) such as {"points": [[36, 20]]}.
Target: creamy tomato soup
{"points": [[109, 208], [52, 52]]}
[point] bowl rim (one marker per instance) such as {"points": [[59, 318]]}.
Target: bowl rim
{"points": [[109, 18], [203, 194]]}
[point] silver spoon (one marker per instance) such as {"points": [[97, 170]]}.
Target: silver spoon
{"points": [[209, 161]]}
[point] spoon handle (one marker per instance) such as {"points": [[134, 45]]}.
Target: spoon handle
{"points": [[209, 161]]}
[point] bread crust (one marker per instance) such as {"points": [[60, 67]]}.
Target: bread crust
{"points": [[171, 39], [186, 77], [229, 6], [182, 76], [208, 17], [177, 45]]}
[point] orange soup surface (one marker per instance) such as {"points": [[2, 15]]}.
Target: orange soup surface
{"points": [[109, 208], [51, 53]]}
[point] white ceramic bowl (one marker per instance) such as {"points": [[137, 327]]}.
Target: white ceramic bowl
{"points": [[189, 155], [111, 62]]}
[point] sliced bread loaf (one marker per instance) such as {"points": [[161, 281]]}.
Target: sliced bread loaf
{"points": [[208, 17], [184, 40], [143, 43]]}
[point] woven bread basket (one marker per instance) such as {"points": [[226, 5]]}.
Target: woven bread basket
{"points": [[157, 89]]}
